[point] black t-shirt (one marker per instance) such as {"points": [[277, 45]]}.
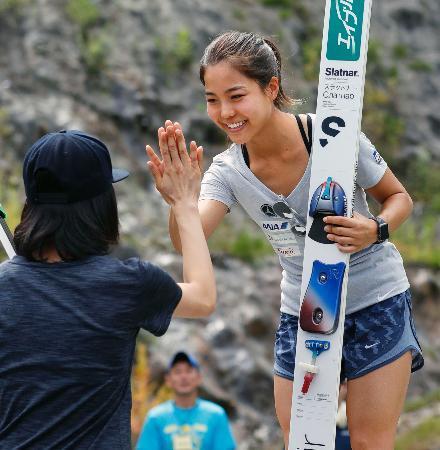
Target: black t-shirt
{"points": [[67, 339]]}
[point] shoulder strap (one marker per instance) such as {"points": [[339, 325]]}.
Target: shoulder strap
{"points": [[309, 131], [307, 140], [245, 155]]}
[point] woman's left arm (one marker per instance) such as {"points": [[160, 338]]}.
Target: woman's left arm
{"points": [[354, 234]]}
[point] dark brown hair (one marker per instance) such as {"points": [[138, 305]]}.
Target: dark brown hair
{"points": [[75, 230], [255, 57]]}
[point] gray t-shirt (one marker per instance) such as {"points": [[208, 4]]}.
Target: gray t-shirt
{"points": [[376, 273]]}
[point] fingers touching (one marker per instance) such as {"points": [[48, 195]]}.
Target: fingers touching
{"points": [[173, 150]]}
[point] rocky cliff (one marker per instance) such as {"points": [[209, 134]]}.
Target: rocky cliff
{"points": [[118, 69]]}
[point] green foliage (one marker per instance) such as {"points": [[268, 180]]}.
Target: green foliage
{"points": [[285, 13], [393, 74], [380, 120], [93, 51], [378, 70], [288, 8], [247, 244], [425, 436], [83, 12], [418, 238], [183, 48], [12, 6], [400, 51], [418, 65], [422, 175], [6, 128], [311, 53], [417, 241], [93, 45], [175, 51], [249, 247], [238, 14], [278, 3], [374, 55], [423, 402]]}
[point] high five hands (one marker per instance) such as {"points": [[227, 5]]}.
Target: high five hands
{"points": [[177, 175]]}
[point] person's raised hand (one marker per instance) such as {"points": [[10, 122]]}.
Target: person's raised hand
{"points": [[198, 149], [177, 175], [156, 164]]}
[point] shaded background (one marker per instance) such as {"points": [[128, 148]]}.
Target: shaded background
{"points": [[118, 69]]}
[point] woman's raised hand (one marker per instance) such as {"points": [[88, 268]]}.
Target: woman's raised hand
{"points": [[177, 175]]}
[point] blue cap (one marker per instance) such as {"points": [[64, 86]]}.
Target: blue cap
{"points": [[183, 357], [68, 166]]}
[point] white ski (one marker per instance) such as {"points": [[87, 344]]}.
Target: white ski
{"points": [[332, 182], [6, 236]]}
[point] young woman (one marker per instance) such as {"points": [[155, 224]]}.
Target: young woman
{"points": [[70, 313], [269, 162]]}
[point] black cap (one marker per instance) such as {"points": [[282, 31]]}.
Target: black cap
{"points": [[183, 357], [67, 167]]}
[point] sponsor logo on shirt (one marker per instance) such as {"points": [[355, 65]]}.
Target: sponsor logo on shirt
{"points": [[273, 226], [377, 157], [268, 210], [288, 252]]}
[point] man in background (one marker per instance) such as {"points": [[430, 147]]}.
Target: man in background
{"points": [[187, 422]]}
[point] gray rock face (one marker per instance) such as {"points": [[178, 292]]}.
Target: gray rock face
{"points": [[413, 26], [137, 64]]}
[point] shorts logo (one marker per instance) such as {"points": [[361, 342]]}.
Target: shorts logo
{"points": [[345, 30], [377, 157], [372, 345]]}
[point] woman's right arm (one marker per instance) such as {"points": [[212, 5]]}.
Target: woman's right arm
{"points": [[177, 178], [211, 212]]}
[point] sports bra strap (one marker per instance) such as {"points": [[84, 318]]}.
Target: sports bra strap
{"points": [[309, 131], [307, 139]]}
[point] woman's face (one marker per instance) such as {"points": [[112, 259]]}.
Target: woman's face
{"points": [[236, 103]]}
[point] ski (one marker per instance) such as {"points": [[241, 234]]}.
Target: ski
{"points": [[332, 184], [6, 237]]}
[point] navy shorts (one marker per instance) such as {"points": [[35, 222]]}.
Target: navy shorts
{"points": [[373, 337]]}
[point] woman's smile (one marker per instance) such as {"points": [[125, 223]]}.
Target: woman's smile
{"points": [[236, 127]]}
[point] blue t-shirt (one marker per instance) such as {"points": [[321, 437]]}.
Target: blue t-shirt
{"points": [[205, 426], [67, 339]]}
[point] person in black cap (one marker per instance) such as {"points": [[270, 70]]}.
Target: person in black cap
{"points": [[187, 422], [70, 313]]}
